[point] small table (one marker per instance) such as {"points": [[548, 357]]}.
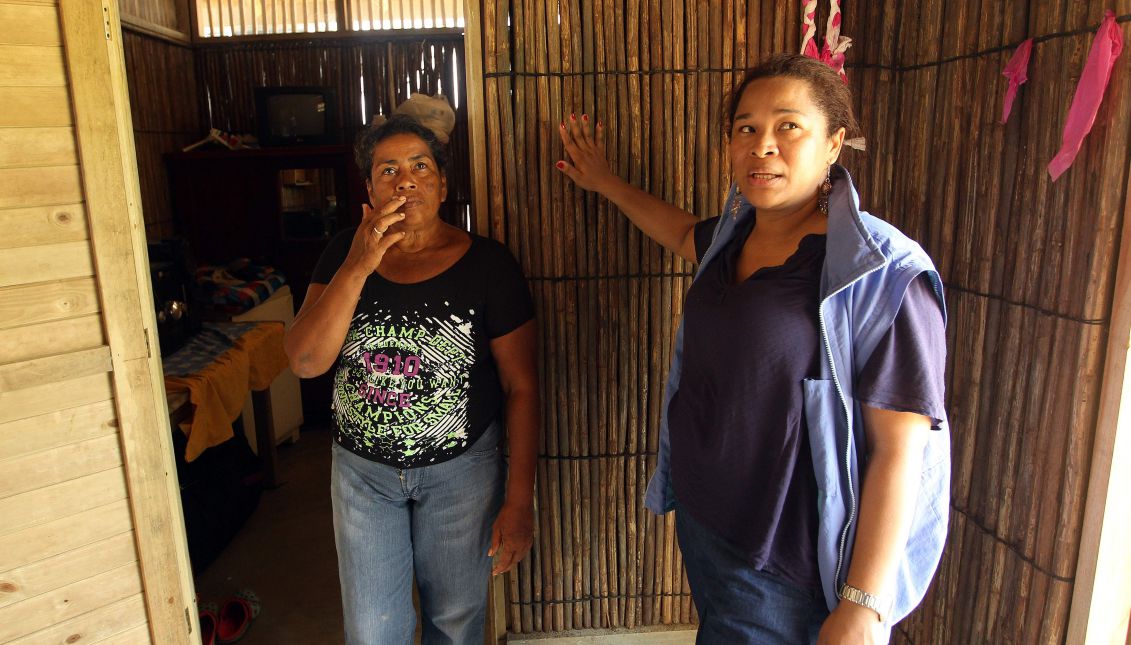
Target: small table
{"points": [[207, 380]]}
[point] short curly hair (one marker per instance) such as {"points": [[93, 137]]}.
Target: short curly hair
{"points": [[396, 124]]}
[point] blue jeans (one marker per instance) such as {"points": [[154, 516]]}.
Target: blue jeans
{"points": [[431, 521], [737, 603]]}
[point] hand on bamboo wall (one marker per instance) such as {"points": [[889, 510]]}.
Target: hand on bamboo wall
{"points": [[587, 167]]}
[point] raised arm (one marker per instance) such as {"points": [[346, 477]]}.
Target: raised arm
{"points": [[671, 227], [318, 331]]}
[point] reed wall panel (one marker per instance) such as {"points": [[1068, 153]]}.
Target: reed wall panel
{"points": [[1029, 266], [164, 104], [167, 14], [608, 300]]}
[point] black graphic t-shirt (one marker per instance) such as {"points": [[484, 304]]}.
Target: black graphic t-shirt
{"points": [[415, 383]]}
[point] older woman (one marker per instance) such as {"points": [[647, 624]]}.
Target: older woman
{"points": [[810, 358], [433, 335]]}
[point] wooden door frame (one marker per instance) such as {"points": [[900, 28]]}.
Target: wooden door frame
{"points": [[92, 40], [476, 112], [481, 221], [1101, 594]]}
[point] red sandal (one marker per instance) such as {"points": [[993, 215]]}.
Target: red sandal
{"points": [[208, 623], [236, 615]]}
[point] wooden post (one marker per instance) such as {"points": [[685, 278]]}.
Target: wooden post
{"points": [[1101, 598], [92, 39], [476, 114]]}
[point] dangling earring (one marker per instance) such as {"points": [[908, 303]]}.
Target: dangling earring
{"points": [[823, 192]]}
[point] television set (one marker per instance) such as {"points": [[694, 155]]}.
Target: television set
{"points": [[290, 116]]}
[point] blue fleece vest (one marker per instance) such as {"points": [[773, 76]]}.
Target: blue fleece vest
{"points": [[868, 266]]}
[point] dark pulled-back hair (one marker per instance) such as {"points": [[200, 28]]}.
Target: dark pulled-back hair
{"points": [[396, 124], [828, 91]]}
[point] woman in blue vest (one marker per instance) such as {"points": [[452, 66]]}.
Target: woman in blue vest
{"points": [[804, 445]]}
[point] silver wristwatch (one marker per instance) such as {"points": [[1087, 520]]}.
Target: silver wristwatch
{"points": [[880, 604]]}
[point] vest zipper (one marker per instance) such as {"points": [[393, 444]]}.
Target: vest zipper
{"points": [[848, 425]]}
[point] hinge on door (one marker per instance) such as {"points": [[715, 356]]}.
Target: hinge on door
{"points": [[188, 619], [148, 350], [106, 18]]}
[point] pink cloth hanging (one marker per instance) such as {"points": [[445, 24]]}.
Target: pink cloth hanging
{"points": [[1017, 71], [832, 52], [809, 29], [1089, 93]]}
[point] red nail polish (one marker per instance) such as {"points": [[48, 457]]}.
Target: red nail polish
{"points": [[562, 125], [572, 116], [585, 117], [560, 164]]}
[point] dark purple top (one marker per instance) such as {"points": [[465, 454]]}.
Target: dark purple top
{"points": [[741, 462]]}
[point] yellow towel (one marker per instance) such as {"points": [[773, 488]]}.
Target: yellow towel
{"points": [[217, 392]]}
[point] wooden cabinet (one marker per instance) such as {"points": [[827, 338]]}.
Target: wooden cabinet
{"points": [[271, 205], [277, 206]]}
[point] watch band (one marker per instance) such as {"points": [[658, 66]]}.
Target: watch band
{"points": [[879, 604]]}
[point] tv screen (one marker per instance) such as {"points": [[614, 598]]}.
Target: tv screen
{"points": [[296, 116]]}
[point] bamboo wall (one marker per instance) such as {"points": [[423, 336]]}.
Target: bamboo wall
{"points": [[608, 301], [1028, 265], [172, 15]]}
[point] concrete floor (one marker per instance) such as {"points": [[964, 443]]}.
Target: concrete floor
{"points": [[285, 553]]}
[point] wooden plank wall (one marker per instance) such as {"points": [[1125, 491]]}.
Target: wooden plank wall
{"points": [[1029, 265], [608, 300], [68, 562]]}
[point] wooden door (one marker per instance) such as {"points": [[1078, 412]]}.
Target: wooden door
{"points": [[92, 544]]}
